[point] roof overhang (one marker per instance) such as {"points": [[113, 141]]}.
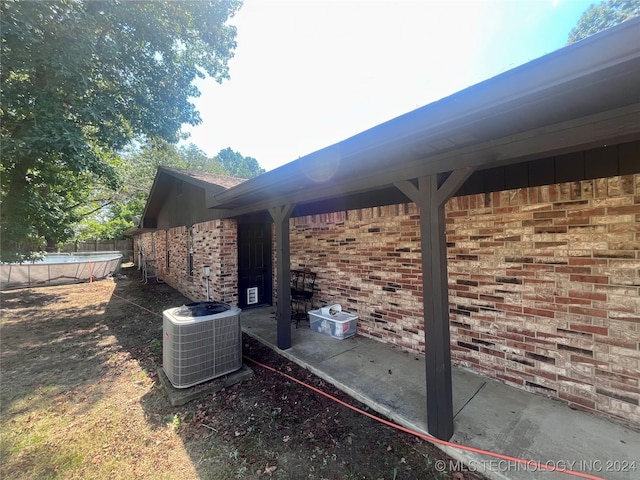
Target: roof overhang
{"points": [[581, 96], [165, 180], [133, 231]]}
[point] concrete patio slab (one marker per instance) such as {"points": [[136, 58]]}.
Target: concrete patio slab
{"points": [[504, 419], [182, 396], [489, 415]]}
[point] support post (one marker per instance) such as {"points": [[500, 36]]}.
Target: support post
{"points": [[431, 198], [281, 217]]}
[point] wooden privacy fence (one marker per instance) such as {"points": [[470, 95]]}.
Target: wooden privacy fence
{"points": [[123, 246]]}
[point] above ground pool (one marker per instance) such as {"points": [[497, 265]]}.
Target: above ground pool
{"points": [[58, 269]]}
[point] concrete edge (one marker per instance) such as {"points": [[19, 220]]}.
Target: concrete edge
{"points": [[181, 396], [468, 458]]}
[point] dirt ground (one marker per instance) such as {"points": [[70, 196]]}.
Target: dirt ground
{"points": [[80, 398]]}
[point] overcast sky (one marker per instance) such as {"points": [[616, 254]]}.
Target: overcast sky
{"points": [[308, 74]]}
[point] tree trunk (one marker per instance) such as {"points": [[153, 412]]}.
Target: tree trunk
{"points": [[52, 245]]}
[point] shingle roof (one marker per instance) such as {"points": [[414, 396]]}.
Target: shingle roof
{"points": [[225, 181]]}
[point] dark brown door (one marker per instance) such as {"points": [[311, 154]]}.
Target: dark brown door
{"points": [[254, 264]]}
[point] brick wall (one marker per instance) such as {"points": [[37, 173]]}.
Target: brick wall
{"points": [[544, 285], [545, 290], [214, 244], [369, 261]]}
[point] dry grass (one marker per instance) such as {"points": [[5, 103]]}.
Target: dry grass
{"points": [[80, 399], [72, 414]]}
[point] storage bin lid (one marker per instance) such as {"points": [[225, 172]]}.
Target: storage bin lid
{"points": [[340, 317]]}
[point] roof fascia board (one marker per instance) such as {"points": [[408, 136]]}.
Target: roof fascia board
{"points": [[150, 197], [617, 126], [130, 232], [538, 143]]}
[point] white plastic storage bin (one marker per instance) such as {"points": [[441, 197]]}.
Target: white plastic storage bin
{"points": [[333, 321]]}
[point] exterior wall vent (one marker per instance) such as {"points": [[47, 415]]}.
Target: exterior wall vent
{"points": [[252, 295]]}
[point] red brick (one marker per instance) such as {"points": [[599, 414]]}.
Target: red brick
{"points": [[574, 399], [491, 352], [591, 212], [591, 312], [590, 278], [510, 378], [623, 210], [572, 301], [601, 297], [509, 308], [573, 269], [539, 312], [589, 328], [536, 372], [550, 214]]}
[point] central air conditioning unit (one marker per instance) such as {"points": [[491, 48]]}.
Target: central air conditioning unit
{"points": [[201, 341]]}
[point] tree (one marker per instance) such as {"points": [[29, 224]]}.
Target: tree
{"points": [[112, 214], [602, 16], [237, 165], [80, 80], [195, 159]]}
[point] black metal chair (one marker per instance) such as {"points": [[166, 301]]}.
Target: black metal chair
{"points": [[302, 285]]}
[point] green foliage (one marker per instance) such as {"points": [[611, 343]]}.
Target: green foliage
{"points": [[156, 346], [196, 160], [80, 80], [138, 165], [110, 221], [239, 166], [602, 16]]}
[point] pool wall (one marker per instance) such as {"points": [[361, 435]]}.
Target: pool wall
{"points": [[58, 270]]}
